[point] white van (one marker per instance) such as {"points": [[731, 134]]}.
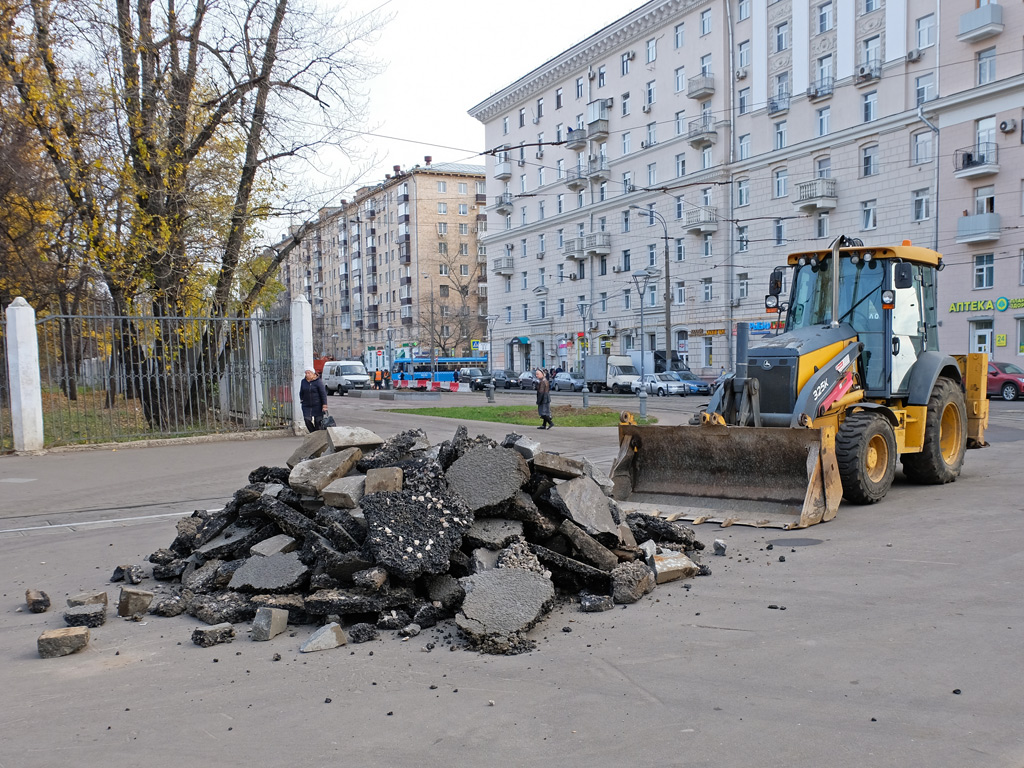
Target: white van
{"points": [[342, 375]]}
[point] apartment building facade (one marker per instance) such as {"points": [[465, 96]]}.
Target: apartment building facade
{"points": [[399, 269], [698, 142]]}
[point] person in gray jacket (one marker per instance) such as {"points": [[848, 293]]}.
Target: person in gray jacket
{"points": [[544, 400]]}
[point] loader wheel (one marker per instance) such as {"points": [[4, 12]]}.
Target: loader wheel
{"points": [[866, 453], [945, 438]]}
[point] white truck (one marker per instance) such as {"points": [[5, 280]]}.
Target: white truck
{"points": [[609, 372]]}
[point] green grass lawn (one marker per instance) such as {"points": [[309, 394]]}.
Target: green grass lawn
{"points": [[526, 415]]}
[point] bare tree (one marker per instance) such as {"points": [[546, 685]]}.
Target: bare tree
{"points": [[449, 318]]}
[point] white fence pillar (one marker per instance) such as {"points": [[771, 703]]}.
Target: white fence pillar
{"points": [[302, 355], [23, 373], [256, 359]]}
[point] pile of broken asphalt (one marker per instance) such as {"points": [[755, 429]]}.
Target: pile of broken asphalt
{"points": [[359, 535]]}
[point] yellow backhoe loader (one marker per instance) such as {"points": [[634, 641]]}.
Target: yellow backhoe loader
{"points": [[822, 410]]}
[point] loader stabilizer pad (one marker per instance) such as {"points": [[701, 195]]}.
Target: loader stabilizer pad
{"points": [[763, 476]]}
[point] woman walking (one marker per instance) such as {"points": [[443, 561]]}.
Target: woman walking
{"points": [[544, 400], [313, 397]]}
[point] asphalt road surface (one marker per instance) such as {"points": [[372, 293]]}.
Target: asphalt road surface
{"points": [[900, 642]]}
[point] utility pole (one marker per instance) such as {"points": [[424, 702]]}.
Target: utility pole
{"points": [[651, 213]]}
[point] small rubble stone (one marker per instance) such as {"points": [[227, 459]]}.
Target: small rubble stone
{"points": [[37, 600], [61, 642], [133, 574], [719, 546], [518, 555], [493, 532], [553, 465], [345, 436], [133, 602], [484, 560], [312, 476], [383, 480], [595, 603], [446, 590], [501, 605], [171, 571], [650, 549], [599, 476], [171, 605], [277, 573], [373, 579], [94, 615], [98, 597], [162, 557], [588, 548], [224, 606], [206, 637], [631, 581], [526, 447], [326, 637], [281, 544], [345, 492], [670, 566], [410, 630], [428, 615], [312, 446], [362, 633], [488, 478], [393, 620], [268, 623]]}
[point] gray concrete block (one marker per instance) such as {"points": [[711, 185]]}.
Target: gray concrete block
{"points": [[345, 492], [583, 502], [61, 642], [37, 600], [269, 623], [669, 566], [383, 480], [276, 545], [553, 465], [206, 637], [312, 446], [345, 436], [599, 476], [502, 604], [312, 476], [327, 637], [133, 602], [526, 447], [94, 615], [589, 549], [98, 597]]}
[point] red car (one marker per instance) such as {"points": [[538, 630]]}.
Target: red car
{"points": [[1005, 380]]}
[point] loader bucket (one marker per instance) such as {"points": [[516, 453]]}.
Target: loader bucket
{"points": [[762, 476]]}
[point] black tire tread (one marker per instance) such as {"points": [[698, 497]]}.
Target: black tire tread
{"points": [[851, 442], [928, 467]]}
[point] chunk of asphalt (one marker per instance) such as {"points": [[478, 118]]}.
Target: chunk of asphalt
{"points": [[493, 532], [94, 615], [37, 600], [488, 478], [206, 637], [277, 573], [631, 581], [501, 605]]}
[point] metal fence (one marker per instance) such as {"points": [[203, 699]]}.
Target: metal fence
{"points": [[6, 438], [118, 378]]}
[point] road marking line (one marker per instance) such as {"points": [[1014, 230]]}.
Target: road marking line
{"points": [[91, 522]]}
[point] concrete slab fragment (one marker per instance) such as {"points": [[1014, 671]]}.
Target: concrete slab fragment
{"points": [[61, 642], [670, 566], [553, 465], [98, 597], [493, 532], [277, 573], [312, 476], [340, 438], [276, 545], [312, 446], [589, 549], [583, 502], [502, 604], [206, 637], [383, 480], [631, 581], [133, 602], [327, 637], [94, 615], [37, 600], [268, 623], [345, 492], [599, 476]]}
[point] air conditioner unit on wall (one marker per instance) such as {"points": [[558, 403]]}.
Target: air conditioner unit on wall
{"points": [[864, 70], [914, 54], [741, 73], [1008, 126], [572, 275], [631, 55], [616, 269], [812, 92], [646, 108]]}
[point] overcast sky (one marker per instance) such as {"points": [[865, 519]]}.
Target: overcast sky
{"points": [[442, 57]]}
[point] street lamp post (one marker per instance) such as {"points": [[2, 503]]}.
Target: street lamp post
{"points": [[640, 278], [583, 308], [491, 321], [668, 288], [433, 349]]}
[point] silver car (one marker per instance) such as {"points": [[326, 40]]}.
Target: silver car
{"points": [[661, 384]]}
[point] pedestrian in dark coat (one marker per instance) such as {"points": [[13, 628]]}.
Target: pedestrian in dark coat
{"points": [[544, 400], [313, 397]]}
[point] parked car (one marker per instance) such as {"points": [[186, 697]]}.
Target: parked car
{"points": [[474, 377], [505, 379], [527, 380], [570, 381], [661, 384], [1005, 380], [695, 384]]}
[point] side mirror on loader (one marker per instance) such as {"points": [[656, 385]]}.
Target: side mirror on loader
{"points": [[775, 283], [903, 275]]}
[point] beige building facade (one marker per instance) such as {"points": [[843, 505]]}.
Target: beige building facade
{"points": [[399, 269], [700, 141]]}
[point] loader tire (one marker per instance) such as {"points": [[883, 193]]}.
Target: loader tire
{"points": [[945, 438], [866, 454]]}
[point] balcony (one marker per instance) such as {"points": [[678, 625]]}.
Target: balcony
{"points": [[981, 23], [503, 265], [481, 277], [403, 239], [701, 220], [573, 249], [503, 203], [406, 321], [598, 244], [821, 88], [816, 195], [405, 259], [403, 218], [405, 301], [481, 199], [778, 103], [576, 178], [598, 170], [404, 198], [980, 228], [701, 86], [597, 130], [405, 280], [574, 140], [980, 160], [701, 132], [371, 213], [371, 250], [868, 71], [503, 171], [481, 258]]}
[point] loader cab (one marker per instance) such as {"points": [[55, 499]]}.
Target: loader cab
{"points": [[886, 299]]}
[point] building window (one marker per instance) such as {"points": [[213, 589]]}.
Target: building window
{"points": [[823, 168], [540, 108], [744, 100], [984, 270], [706, 158], [558, 98], [781, 36], [602, 76], [652, 296], [744, 146], [780, 231], [743, 59], [780, 134], [921, 147], [650, 92], [624, 62], [579, 87], [781, 179], [627, 140], [869, 160], [504, 125], [442, 186], [526, 312], [681, 251], [871, 49], [442, 228], [442, 270], [679, 35], [743, 285], [708, 245], [652, 174], [652, 49], [680, 202], [986, 66], [705, 22], [984, 200], [442, 208], [870, 106], [742, 239], [680, 293], [824, 17], [868, 219], [924, 87], [821, 224], [652, 255], [508, 285], [680, 78], [743, 192], [463, 229], [705, 64], [680, 123], [522, 117], [652, 134], [602, 266], [871, 5], [625, 221], [823, 117], [921, 204], [625, 104], [560, 273], [525, 284], [743, 10], [708, 288], [603, 301], [925, 27]]}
